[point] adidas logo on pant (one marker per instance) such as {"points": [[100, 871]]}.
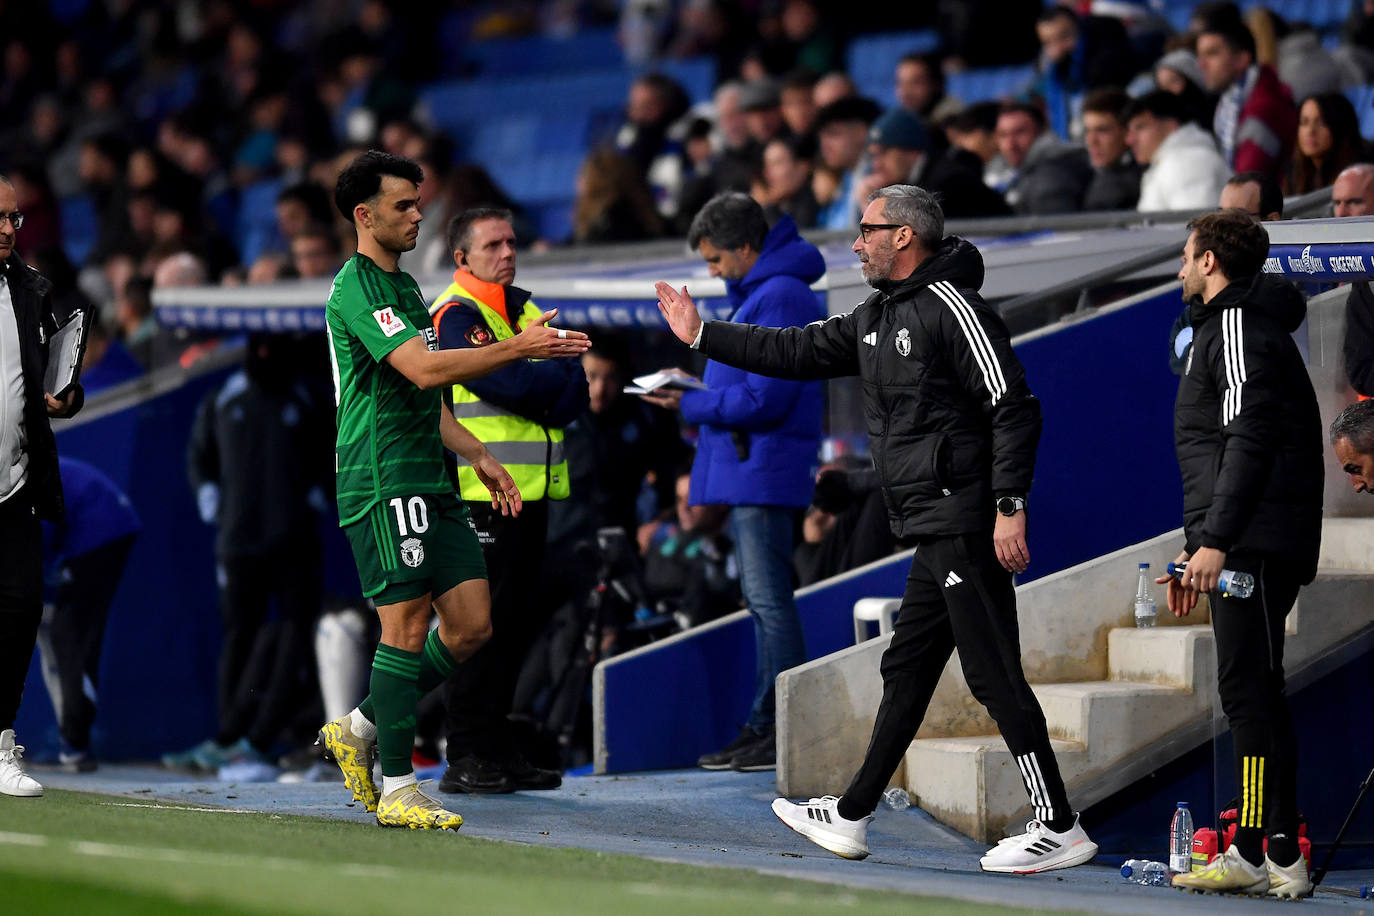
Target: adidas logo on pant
{"points": [[952, 579]]}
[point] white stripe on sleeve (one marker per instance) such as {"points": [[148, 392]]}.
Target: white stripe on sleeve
{"points": [[977, 338]]}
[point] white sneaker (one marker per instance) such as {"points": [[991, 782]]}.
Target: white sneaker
{"points": [[819, 821], [1288, 880], [13, 779], [1040, 849]]}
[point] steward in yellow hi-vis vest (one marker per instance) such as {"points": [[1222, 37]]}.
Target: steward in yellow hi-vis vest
{"points": [[519, 411]]}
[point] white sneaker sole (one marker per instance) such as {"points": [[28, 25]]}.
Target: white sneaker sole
{"points": [[20, 792], [1289, 891], [841, 846], [1067, 858]]}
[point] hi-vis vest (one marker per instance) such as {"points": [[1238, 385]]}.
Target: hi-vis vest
{"points": [[533, 454]]}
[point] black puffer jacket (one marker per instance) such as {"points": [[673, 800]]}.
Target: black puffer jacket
{"points": [[950, 420], [1247, 429], [31, 294]]}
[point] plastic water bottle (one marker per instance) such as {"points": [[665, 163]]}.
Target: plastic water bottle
{"points": [[1181, 840], [1141, 871], [1232, 584], [897, 799], [1144, 598]]}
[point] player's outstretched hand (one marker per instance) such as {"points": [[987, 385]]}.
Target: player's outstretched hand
{"points": [[539, 341], [505, 495], [679, 311]]}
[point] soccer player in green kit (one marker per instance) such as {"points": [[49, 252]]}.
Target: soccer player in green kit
{"points": [[412, 536]]}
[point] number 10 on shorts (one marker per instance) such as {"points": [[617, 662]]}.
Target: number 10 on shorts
{"points": [[416, 509]]}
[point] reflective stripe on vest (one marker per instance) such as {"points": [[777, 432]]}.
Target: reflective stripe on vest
{"points": [[533, 454]]}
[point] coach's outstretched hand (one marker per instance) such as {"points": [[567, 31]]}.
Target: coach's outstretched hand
{"points": [[505, 495], [679, 311], [539, 341]]}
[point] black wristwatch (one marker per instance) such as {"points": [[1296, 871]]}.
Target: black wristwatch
{"points": [[1010, 505]]}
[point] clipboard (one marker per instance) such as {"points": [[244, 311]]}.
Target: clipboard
{"points": [[66, 349]]}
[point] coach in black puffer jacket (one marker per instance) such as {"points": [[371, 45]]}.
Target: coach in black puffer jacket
{"points": [[938, 375], [1250, 454]]}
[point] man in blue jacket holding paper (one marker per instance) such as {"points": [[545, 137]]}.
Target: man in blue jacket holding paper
{"points": [[758, 440]]}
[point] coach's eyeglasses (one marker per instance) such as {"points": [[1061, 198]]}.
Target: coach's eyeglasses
{"points": [[16, 218], [866, 228]]}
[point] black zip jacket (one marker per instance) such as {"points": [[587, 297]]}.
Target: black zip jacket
{"points": [[33, 310], [951, 422], [1247, 429]]}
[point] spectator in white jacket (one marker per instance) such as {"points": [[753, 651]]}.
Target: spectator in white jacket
{"points": [[1183, 171]]}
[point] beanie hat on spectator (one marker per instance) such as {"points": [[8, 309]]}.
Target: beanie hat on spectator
{"points": [[901, 129], [1184, 63], [759, 95], [849, 109]]}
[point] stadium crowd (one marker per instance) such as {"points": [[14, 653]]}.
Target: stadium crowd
{"points": [[200, 143]]}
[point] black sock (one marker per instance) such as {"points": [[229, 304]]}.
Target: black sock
{"points": [[1249, 842], [1283, 849], [849, 811], [1060, 824]]}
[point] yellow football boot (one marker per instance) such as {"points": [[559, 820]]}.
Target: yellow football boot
{"points": [[1228, 873], [354, 757], [409, 807]]}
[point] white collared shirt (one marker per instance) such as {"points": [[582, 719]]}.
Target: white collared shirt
{"points": [[14, 457]]}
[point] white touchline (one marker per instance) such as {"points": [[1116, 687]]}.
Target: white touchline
{"points": [[181, 808], [184, 857]]}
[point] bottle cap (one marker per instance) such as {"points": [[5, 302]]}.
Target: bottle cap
{"points": [[1183, 804], [1144, 565]]}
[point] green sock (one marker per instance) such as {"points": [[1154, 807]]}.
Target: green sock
{"points": [[394, 695], [436, 664]]}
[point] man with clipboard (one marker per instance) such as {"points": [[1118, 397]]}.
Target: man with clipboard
{"points": [[30, 488]]}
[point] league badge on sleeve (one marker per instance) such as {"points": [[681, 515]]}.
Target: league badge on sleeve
{"points": [[388, 322]]}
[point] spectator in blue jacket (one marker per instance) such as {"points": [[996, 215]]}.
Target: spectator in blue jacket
{"points": [[757, 443], [84, 558]]}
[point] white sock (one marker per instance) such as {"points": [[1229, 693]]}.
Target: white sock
{"points": [[361, 727], [392, 783]]}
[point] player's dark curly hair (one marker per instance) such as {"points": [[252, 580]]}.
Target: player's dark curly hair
{"points": [[362, 180], [1235, 238]]}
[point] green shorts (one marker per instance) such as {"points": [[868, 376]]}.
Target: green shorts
{"points": [[410, 546]]}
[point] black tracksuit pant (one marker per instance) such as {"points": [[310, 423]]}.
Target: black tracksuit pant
{"points": [[77, 632], [479, 692], [21, 598], [1249, 636], [263, 671], [958, 596]]}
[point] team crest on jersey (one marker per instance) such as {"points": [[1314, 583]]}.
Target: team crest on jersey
{"points": [[388, 322], [412, 552], [479, 335], [904, 342]]}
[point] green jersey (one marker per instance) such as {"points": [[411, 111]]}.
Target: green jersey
{"points": [[388, 443]]}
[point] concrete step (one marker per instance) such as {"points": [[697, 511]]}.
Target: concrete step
{"points": [[1112, 718], [970, 783], [1182, 657]]}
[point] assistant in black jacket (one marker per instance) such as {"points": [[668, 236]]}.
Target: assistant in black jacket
{"points": [[1249, 440], [953, 430], [30, 487]]}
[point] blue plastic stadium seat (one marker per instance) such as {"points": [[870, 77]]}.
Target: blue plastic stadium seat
{"points": [[257, 220], [80, 227], [553, 218], [1362, 97], [697, 75], [1320, 14], [872, 59], [590, 49], [990, 83]]}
